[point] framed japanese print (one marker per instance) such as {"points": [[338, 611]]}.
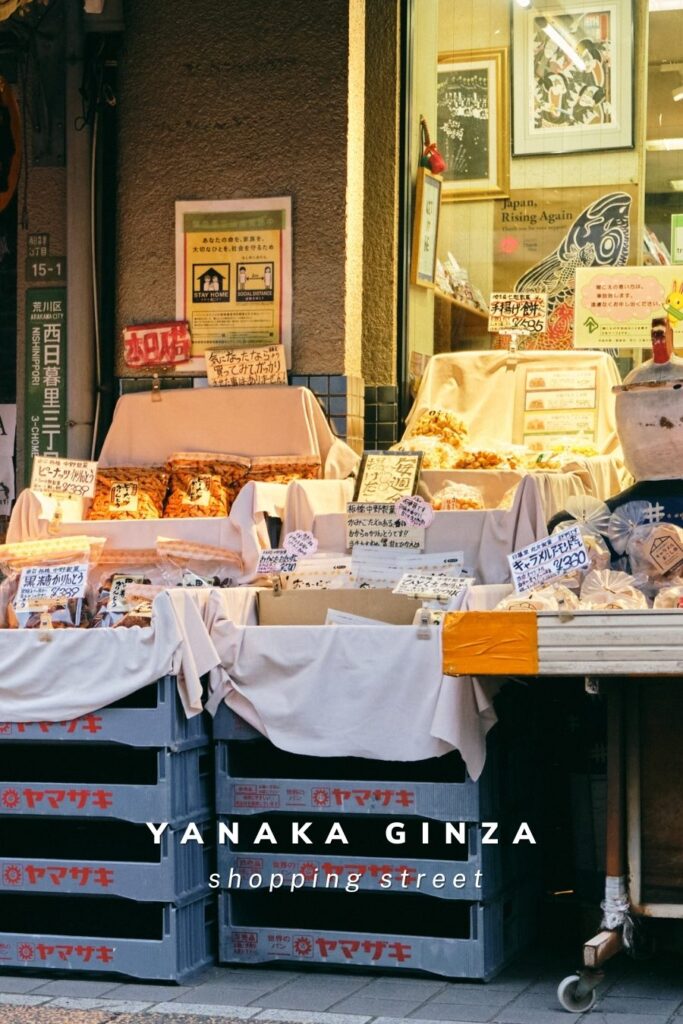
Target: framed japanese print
{"points": [[425, 228], [571, 76], [473, 133]]}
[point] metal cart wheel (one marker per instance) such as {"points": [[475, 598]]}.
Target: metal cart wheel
{"points": [[574, 995]]}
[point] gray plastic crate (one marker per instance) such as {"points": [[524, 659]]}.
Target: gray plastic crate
{"points": [[99, 858], [148, 785], [151, 717], [182, 943], [454, 800], [481, 873], [481, 941], [229, 726]]}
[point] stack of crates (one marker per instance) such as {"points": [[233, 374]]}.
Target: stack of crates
{"points": [[83, 887], [461, 910]]}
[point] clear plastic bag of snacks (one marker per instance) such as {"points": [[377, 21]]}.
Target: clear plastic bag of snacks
{"points": [[656, 551], [129, 492], [436, 454], [184, 564], [282, 469], [457, 497], [670, 596], [117, 570], [604, 589], [48, 582], [204, 484], [441, 423], [551, 598]]}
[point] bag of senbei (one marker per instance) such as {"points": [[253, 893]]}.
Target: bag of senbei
{"points": [[185, 564], [48, 583]]}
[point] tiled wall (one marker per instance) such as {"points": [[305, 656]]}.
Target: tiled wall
{"points": [[381, 417], [342, 398]]}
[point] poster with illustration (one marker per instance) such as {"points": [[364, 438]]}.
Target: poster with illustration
{"points": [[615, 308], [542, 237]]}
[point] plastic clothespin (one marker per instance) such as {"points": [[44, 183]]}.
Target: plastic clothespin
{"points": [[424, 632], [277, 585], [46, 628], [156, 388]]}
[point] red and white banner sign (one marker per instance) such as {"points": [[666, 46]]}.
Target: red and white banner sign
{"points": [[162, 344]]}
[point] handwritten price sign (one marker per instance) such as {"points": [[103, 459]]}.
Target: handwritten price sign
{"points": [[38, 585], [548, 559], [71, 478], [415, 511], [274, 561], [242, 366], [518, 312], [300, 543]]}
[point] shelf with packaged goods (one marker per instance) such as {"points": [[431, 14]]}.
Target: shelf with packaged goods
{"points": [[458, 325]]}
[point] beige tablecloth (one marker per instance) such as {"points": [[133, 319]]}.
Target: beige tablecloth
{"points": [[346, 691], [485, 538], [62, 674], [267, 420]]}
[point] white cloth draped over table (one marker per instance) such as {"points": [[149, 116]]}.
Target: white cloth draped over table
{"points": [[485, 538], [57, 675], [352, 691]]}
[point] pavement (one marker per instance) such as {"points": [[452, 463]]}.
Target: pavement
{"points": [[634, 992]]}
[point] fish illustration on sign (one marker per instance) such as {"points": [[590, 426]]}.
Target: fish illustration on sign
{"points": [[599, 237]]}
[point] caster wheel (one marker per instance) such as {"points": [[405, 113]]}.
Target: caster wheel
{"points": [[566, 993]]}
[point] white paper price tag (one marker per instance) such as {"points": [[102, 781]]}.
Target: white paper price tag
{"points": [[414, 511], [431, 586], [70, 478], [377, 525], [40, 584], [300, 543], [548, 559], [275, 560]]}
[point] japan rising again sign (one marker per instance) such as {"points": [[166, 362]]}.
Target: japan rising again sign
{"points": [[45, 416]]}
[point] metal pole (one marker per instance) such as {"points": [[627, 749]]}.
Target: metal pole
{"points": [[79, 316]]}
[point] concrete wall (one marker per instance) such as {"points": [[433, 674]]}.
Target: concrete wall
{"points": [[251, 98]]}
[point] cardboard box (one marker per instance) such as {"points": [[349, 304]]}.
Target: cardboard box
{"points": [[309, 607]]}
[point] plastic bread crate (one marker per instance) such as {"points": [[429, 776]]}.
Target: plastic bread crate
{"points": [[150, 717], [227, 725], [438, 788], [452, 939], [150, 941], [104, 781], [103, 858], [470, 871]]}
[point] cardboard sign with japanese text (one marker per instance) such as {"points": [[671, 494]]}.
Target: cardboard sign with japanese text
{"points": [[164, 344], [387, 476], [40, 584], [518, 312], [274, 561], [615, 306], [244, 366], [431, 586], [377, 525], [69, 478], [548, 559]]}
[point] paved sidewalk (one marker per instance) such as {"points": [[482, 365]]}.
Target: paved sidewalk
{"points": [[633, 993]]}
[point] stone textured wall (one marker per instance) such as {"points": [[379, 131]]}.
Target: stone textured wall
{"points": [[249, 98]]}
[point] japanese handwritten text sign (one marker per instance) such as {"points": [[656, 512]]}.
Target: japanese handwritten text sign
{"points": [[548, 559], [72, 478], [40, 584], [239, 366], [377, 525], [431, 586], [300, 543], [415, 511], [162, 344], [387, 476], [275, 560], [518, 312]]}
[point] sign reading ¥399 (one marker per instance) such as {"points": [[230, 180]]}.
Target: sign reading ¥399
{"points": [[45, 339]]}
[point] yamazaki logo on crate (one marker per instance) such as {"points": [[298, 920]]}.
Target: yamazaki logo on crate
{"points": [[90, 724], [76, 954], [361, 950], [57, 799], [56, 876], [270, 797]]}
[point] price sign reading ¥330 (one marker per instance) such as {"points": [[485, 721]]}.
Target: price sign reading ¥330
{"points": [[548, 559]]}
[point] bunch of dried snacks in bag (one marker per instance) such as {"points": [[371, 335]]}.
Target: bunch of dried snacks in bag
{"points": [[116, 571], [436, 454], [461, 497], [48, 582], [185, 564], [607, 590], [282, 469], [440, 423], [129, 492], [204, 484]]}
